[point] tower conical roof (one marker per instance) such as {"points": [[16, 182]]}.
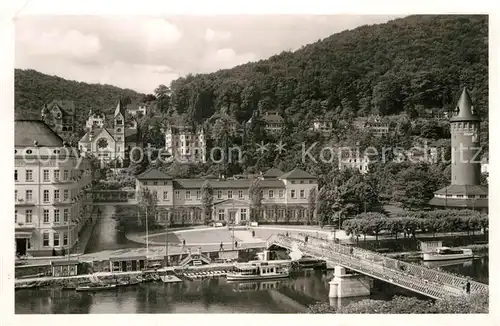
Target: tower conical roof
{"points": [[464, 110]]}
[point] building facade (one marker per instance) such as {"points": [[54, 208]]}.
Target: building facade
{"points": [[95, 120], [110, 145], [50, 180], [184, 143], [465, 190], [60, 116], [285, 198]]}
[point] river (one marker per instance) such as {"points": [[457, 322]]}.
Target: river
{"points": [[212, 295]]}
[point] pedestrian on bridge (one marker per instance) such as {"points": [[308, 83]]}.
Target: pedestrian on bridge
{"points": [[221, 246], [467, 287], [236, 244], [351, 250]]}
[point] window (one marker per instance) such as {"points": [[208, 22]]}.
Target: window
{"points": [[15, 216], [197, 214], [145, 183], [65, 175], [198, 194], [177, 194], [243, 214], [29, 216], [281, 213], [46, 217], [229, 194], [221, 214], [165, 195], [155, 183], [240, 194], [293, 194], [46, 196], [29, 195], [15, 175], [56, 175], [188, 195], [219, 194], [281, 193], [28, 244], [46, 176], [66, 215], [57, 218], [56, 195], [65, 239], [66, 194], [45, 239], [56, 239], [29, 175], [301, 181], [271, 193], [302, 193], [165, 183]]}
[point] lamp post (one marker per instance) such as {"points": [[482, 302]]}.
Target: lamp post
{"points": [[166, 238], [147, 234]]}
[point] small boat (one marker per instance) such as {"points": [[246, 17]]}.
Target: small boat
{"points": [[443, 263], [95, 288], [258, 270], [446, 253]]}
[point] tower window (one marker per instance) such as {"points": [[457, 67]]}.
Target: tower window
{"points": [[118, 130], [119, 122]]}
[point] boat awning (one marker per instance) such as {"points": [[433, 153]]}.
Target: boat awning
{"points": [[23, 235]]}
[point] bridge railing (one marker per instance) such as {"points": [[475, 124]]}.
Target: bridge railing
{"points": [[404, 268]]}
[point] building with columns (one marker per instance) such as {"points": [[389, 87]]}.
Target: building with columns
{"points": [[50, 180], [465, 190], [285, 197]]}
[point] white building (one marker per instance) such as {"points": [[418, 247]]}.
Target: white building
{"points": [[137, 108], [321, 125], [356, 162], [50, 180], [185, 144], [285, 198], [95, 120]]}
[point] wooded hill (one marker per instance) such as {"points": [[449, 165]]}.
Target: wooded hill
{"points": [[406, 65], [33, 89]]}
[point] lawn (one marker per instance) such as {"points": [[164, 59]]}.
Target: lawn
{"points": [[172, 238], [207, 236]]}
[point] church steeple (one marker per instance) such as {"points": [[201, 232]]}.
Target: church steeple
{"points": [[464, 110]]}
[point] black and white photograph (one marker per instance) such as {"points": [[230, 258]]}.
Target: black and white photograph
{"points": [[250, 164]]}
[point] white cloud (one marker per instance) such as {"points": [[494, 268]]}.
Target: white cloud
{"points": [[216, 36], [225, 58], [68, 44], [160, 33]]}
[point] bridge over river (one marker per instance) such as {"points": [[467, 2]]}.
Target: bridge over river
{"points": [[426, 281]]}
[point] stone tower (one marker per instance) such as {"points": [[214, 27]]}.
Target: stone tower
{"points": [[465, 145]]}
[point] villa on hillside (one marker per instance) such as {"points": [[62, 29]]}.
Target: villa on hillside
{"points": [[273, 122], [60, 116], [375, 125], [285, 197], [137, 108], [110, 145], [184, 142]]}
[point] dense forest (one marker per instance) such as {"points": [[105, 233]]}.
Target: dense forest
{"points": [[34, 89], [406, 65]]}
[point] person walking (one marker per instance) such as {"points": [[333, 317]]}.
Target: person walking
{"points": [[253, 233], [221, 246], [183, 242], [236, 244], [351, 250], [467, 287]]}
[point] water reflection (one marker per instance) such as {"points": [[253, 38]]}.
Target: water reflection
{"points": [[212, 295], [106, 236]]}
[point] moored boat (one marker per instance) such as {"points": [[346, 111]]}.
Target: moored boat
{"points": [[258, 271], [445, 253], [95, 288]]}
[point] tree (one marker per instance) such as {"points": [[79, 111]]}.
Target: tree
{"points": [[207, 199], [256, 195], [147, 207], [311, 205]]}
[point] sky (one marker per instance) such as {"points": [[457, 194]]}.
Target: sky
{"points": [[142, 52]]}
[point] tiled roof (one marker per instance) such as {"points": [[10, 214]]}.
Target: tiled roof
{"points": [[96, 132], [232, 201], [273, 173], [274, 118], [225, 184], [130, 135], [153, 174], [297, 174], [463, 190], [26, 132], [67, 106]]}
